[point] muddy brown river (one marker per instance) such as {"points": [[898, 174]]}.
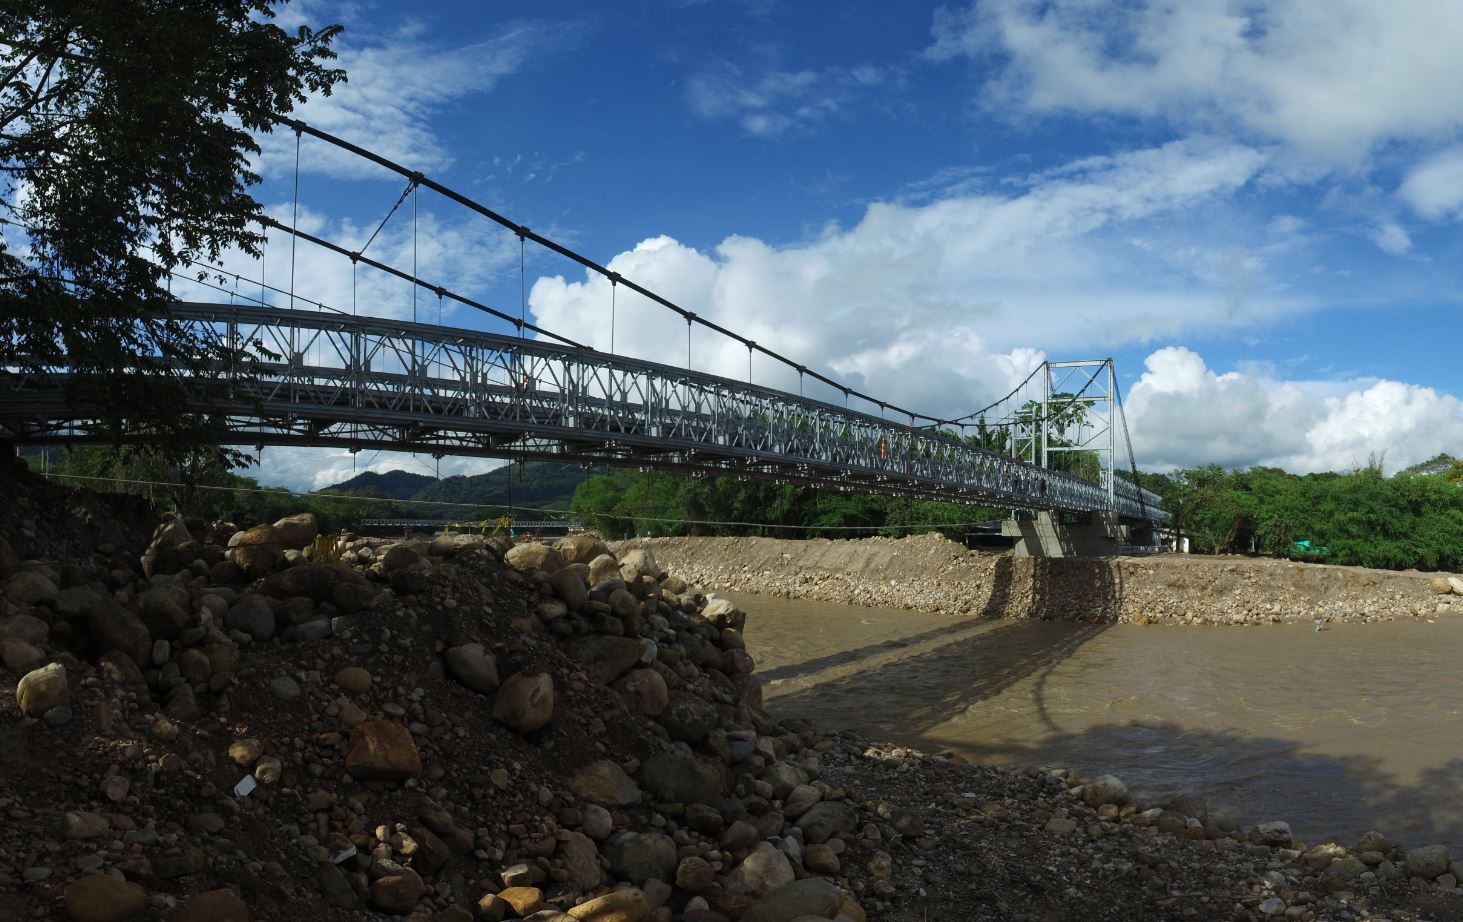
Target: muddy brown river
{"points": [[1357, 727]]}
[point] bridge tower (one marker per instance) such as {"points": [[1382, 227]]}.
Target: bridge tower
{"points": [[1069, 420]]}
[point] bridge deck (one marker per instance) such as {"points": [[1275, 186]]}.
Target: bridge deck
{"points": [[363, 382]]}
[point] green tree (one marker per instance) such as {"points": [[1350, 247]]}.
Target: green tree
{"points": [[1454, 473], [126, 129]]}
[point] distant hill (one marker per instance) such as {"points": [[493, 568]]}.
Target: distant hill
{"points": [[537, 484], [392, 484]]}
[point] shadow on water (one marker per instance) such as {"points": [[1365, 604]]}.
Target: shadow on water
{"points": [[918, 696], [982, 659], [851, 657], [1322, 796]]}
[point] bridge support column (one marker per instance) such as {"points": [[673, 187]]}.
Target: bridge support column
{"points": [[1048, 534]]}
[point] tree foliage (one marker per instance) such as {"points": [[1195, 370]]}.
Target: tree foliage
{"points": [[1361, 518], [126, 130], [657, 504]]}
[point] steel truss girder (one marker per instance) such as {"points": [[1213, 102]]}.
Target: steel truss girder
{"points": [[363, 382]]}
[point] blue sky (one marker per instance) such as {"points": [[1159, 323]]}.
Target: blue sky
{"points": [[1253, 206]]}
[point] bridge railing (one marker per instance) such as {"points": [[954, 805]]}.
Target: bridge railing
{"points": [[336, 379]]}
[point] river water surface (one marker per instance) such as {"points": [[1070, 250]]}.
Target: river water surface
{"points": [[1357, 727]]}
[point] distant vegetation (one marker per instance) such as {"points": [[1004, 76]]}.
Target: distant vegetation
{"points": [[662, 504], [1363, 518]]}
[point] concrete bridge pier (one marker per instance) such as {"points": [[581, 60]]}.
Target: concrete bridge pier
{"points": [[1080, 534]]}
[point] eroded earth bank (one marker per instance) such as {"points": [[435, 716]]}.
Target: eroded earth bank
{"points": [[932, 573], [208, 721]]}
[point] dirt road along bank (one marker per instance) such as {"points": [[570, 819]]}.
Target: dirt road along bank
{"points": [[932, 573]]}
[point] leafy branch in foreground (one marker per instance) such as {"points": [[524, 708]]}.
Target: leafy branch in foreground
{"points": [[126, 132]]}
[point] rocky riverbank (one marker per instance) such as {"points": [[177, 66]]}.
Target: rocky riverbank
{"points": [[199, 721], [932, 573]]}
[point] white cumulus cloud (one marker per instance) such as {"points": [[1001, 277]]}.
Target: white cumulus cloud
{"points": [[936, 306], [1434, 188], [1184, 414], [1332, 82]]}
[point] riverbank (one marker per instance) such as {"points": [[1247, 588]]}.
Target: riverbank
{"points": [[932, 573]]}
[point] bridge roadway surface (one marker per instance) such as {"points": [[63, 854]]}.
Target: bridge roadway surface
{"points": [[367, 383]]}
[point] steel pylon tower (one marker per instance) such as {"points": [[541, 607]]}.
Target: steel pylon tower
{"points": [[1074, 412]]}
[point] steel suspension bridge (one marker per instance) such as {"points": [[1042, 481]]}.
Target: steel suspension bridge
{"points": [[323, 377]]}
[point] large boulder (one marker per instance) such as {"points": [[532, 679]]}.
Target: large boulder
{"points": [[525, 703], [313, 581], [604, 656], [532, 555], [1275, 834], [604, 783], [825, 820], [172, 532], [298, 530], [687, 717], [160, 559], [678, 777], [257, 551], [644, 692], [569, 586], [74, 603], [253, 616], [382, 750], [1104, 789], [627, 905], [29, 587], [580, 548], [220, 905], [581, 860], [354, 597], [165, 611], [764, 870], [810, 897], [1429, 861], [473, 666], [639, 856], [400, 557], [42, 689], [603, 567], [724, 614], [638, 563], [398, 893], [113, 627], [28, 628], [103, 898], [19, 655]]}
